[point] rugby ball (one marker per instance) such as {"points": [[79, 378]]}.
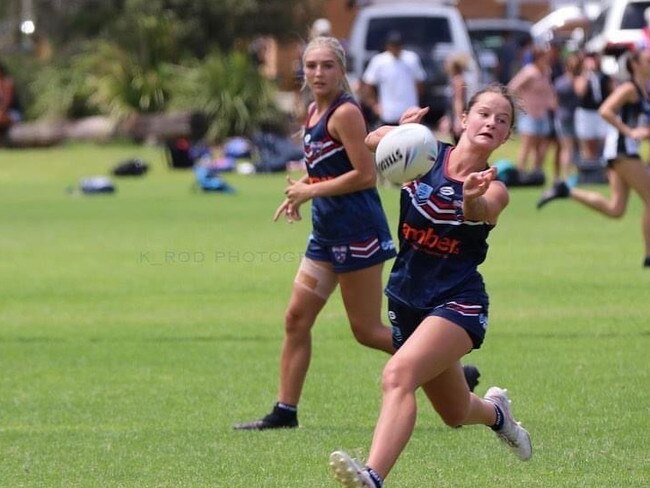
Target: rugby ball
{"points": [[406, 153]]}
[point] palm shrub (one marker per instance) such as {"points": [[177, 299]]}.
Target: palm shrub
{"points": [[60, 91], [121, 85], [131, 74], [103, 78], [229, 89]]}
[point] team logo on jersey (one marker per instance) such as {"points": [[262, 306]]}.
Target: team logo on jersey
{"points": [[458, 210], [340, 253], [314, 149], [387, 245], [446, 191], [307, 138], [423, 193]]}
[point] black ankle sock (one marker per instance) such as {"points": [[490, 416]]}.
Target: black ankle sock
{"points": [[376, 479], [286, 411], [646, 263], [287, 407], [498, 425]]}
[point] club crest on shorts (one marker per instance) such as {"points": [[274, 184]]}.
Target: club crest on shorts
{"points": [[340, 253]]}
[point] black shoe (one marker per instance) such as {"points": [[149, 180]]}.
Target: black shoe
{"points": [[279, 418], [559, 190], [471, 376]]}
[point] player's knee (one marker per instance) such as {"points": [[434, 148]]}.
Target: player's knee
{"points": [[295, 322], [616, 211], [396, 376], [363, 334]]}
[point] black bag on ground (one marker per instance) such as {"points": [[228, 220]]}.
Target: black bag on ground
{"points": [[131, 167], [178, 153]]}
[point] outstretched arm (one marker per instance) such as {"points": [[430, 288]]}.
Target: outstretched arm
{"points": [[484, 197]]}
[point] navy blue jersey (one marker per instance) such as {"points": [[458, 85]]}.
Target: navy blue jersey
{"points": [[343, 217], [439, 251]]}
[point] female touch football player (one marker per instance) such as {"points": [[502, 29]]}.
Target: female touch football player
{"points": [[350, 238], [438, 305]]}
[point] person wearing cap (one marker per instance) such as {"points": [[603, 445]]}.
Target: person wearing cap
{"points": [[393, 81]]}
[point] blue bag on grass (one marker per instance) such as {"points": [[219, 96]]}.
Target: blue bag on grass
{"points": [[209, 180]]}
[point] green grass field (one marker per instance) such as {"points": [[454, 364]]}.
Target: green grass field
{"points": [[136, 328]]}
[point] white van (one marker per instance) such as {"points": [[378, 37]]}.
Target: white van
{"points": [[618, 28], [434, 30]]}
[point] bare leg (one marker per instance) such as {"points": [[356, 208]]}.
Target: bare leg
{"points": [[541, 146], [637, 176], [313, 285], [589, 149], [434, 347], [304, 306], [454, 403], [525, 149], [362, 296], [630, 173], [613, 206], [566, 157]]}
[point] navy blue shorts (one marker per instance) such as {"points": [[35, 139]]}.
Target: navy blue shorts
{"points": [[352, 255], [471, 315]]}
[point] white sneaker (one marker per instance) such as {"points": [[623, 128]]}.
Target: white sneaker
{"points": [[349, 472], [512, 433]]}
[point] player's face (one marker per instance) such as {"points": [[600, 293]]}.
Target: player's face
{"points": [[322, 71], [487, 123]]}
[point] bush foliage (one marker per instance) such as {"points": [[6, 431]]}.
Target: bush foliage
{"points": [[151, 60]]}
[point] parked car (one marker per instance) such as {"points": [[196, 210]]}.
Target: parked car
{"points": [[488, 37], [618, 28], [568, 23], [434, 30]]}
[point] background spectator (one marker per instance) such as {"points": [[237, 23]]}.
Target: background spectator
{"points": [[592, 87], [392, 82], [532, 84], [565, 113], [455, 66], [10, 110]]}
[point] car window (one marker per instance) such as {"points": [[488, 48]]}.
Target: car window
{"points": [[633, 17], [598, 25], [494, 38], [423, 32]]}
